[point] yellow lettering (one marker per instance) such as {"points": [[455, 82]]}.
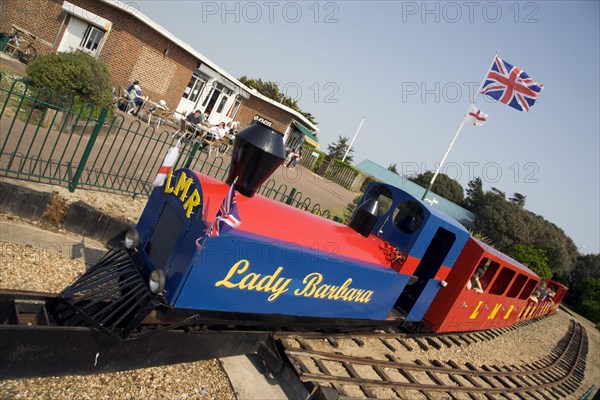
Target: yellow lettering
{"points": [[342, 290], [249, 281], [524, 312], [235, 268], [508, 312], [350, 295], [494, 311], [366, 297], [311, 281], [277, 285], [322, 291], [476, 311], [168, 187], [183, 185], [191, 202], [279, 288]]}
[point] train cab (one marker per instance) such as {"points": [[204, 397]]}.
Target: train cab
{"points": [[488, 290], [424, 243]]}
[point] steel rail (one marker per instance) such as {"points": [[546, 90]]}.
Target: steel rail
{"points": [[571, 348]]}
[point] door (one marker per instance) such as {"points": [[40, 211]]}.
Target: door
{"points": [[75, 31], [210, 102], [432, 260]]}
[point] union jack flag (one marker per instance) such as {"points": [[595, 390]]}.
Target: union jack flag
{"points": [[511, 85], [227, 217]]}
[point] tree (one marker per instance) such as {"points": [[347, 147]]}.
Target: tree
{"points": [[589, 303], [518, 199], [506, 224], [74, 74], [474, 194], [271, 90], [393, 168], [444, 186], [338, 149], [533, 258]]}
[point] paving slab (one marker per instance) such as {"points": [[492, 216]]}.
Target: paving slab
{"points": [[71, 246], [249, 381]]}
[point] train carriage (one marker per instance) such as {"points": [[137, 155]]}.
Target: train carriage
{"points": [[488, 290]]}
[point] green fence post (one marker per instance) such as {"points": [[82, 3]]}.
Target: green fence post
{"points": [[88, 149], [290, 196], [190, 158]]}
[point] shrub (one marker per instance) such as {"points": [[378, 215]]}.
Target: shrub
{"points": [[75, 74]]}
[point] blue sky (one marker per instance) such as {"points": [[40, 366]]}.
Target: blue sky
{"points": [[410, 68]]}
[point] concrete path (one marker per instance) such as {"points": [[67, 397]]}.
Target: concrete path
{"points": [[63, 244]]}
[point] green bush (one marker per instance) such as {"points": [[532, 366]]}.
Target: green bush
{"points": [[535, 259], [75, 74], [319, 160]]}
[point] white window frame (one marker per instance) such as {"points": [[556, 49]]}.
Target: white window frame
{"points": [[92, 31]]}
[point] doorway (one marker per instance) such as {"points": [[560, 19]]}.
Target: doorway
{"points": [[432, 260]]}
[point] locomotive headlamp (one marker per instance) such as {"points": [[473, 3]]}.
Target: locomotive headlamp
{"points": [[156, 282], [132, 238]]}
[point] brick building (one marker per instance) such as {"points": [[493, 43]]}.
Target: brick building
{"points": [[136, 48]]}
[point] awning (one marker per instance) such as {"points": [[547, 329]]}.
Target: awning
{"points": [[310, 138]]}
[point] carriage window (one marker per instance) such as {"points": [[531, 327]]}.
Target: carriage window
{"points": [[490, 267], [409, 216], [383, 195], [529, 287], [517, 285], [502, 280]]}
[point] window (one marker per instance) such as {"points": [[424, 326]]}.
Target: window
{"points": [[235, 107], [517, 285], [529, 287], [383, 195], [195, 87], [409, 216], [490, 267], [222, 103], [91, 39], [502, 281]]}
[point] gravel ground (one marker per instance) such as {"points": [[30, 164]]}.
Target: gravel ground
{"points": [[50, 273]]}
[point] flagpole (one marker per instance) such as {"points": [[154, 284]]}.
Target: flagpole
{"points": [[352, 142], [460, 126]]}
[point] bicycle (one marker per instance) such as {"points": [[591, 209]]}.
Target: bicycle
{"points": [[21, 46]]}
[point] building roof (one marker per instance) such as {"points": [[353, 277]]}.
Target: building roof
{"points": [[128, 9], [382, 174], [310, 138]]}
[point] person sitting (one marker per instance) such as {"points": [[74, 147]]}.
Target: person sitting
{"points": [[193, 121], [474, 283], [535, 296]]}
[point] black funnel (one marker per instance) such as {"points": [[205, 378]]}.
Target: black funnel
{"points": [[365, 216], [257, 152]]}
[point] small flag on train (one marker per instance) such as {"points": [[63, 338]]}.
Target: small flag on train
{"points": [[167, 165], [227, 217]]}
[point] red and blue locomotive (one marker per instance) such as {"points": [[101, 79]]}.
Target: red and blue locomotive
{"points": [[398, 261]]}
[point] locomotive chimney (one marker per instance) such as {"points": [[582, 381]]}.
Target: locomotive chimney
{"points": [[365, 216], [257, 152]]}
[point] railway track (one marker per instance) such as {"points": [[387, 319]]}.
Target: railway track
{"points": [[335, 375]]}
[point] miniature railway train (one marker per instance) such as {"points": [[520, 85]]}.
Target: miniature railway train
{"points": [[399, 261]]}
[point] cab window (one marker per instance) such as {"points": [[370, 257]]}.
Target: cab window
{"points": [[409, 216]]}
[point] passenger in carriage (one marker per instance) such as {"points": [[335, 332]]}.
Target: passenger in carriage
{"points": [[535, 296], [474, 282]]}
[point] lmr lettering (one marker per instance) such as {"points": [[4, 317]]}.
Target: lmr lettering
{"points": [[183, 186]]}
